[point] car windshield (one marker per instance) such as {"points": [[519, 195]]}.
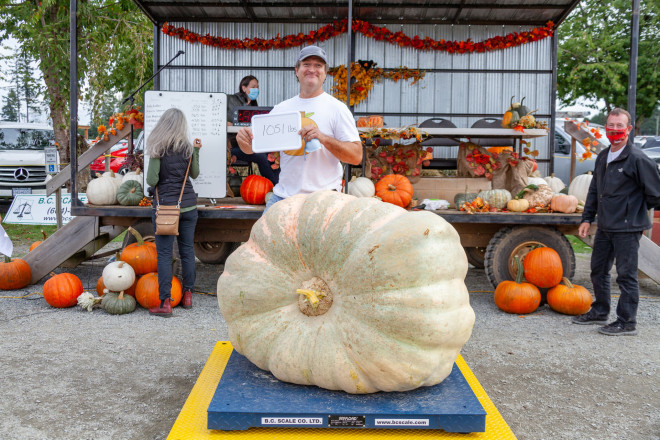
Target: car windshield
{"points": [[24, 139]]}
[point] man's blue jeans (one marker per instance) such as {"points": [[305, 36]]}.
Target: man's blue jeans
{"points": [[622, 246], [164, 244]]}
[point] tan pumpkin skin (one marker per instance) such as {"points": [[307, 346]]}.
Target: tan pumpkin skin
{"points": [[393, 325], [564, 203]]}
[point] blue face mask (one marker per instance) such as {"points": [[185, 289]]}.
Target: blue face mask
{"points": [[254, 94]]}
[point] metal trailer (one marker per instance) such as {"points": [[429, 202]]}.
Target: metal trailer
{"points": [[491, 240]]}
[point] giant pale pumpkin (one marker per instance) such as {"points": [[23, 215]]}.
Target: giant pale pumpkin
{"points": [[329, 291]]}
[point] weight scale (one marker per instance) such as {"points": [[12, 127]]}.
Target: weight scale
{"points": [[230, 392]]}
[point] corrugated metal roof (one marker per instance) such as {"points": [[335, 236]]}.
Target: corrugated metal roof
{"points": [[502, 12]]}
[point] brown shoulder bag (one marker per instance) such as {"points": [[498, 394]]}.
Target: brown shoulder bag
{"points": [[167, 216]]}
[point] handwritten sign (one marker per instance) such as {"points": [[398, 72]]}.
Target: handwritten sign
{"points": [[206, 115], [277, 132]]}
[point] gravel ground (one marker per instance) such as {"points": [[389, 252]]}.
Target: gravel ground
{"points": [[71, 374]]}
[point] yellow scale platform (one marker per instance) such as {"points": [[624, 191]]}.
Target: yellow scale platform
{"points": [[192, 421]]}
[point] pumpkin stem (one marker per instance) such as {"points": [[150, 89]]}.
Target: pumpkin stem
{"points": [[521, 271], [391, 187], [121, 264], [132, 190], [137, 235], [121, 295], [567, 282], [7, 259], [44, 234], [311, 296]]}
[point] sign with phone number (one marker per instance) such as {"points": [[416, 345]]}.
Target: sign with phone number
{"points": [[35, 209]]}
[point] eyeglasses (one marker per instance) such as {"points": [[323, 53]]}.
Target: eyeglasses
{"points": [[616, 126]]}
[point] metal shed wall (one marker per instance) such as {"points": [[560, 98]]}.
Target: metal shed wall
{"points": [[459, 87]]}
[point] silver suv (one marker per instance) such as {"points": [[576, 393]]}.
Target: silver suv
{"points": [[22, 157]]}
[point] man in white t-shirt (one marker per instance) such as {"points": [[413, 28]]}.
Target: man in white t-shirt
{"points": [[328, 130]]}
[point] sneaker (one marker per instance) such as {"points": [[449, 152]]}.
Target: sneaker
{"points": [[164, 310], [589, 318], [618, 328]]}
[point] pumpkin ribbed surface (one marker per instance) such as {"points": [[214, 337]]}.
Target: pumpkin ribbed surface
{"points": [[14, 274], [62, 290], [384, 321]]}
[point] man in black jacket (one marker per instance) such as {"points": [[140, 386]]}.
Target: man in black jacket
{"points": [[626, 184]]}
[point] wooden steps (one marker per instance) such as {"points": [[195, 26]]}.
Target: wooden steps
{"points": [[70, 245]]}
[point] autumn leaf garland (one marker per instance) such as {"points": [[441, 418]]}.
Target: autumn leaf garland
{"points": [[367, 29]]}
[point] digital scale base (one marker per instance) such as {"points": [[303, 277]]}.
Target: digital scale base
{"points": [[247, 397]]}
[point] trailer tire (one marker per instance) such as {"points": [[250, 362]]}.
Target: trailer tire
{"points": [[518, 241], [146, 230], [210, 252], [476, 256]]}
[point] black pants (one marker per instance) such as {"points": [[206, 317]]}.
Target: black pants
{"points": [[622, 246], [164, 244]]}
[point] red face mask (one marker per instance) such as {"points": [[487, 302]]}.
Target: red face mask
{"points": [[615, 135]]}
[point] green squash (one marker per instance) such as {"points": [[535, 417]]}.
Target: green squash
{"points": [[118, 303], [463, 197], [130, 193], [523, 110], [496, 197]]}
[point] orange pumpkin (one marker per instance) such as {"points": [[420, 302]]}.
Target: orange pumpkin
{"points": [[362, 122], [498, 150], [100, 286], [62, 290], [37, 243], [146, 291], [395, 189], [141, 256], [14, 274], [254, 189], [543, 267], [569, 299], [564, 203], [516, 296]]}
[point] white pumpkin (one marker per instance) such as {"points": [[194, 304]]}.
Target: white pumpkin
{"points": [[102, 190], [118, 276], [116, 178], [133, 175], [329, 291], [536, 181], [579, 187], [362, 187], [555, 183]]}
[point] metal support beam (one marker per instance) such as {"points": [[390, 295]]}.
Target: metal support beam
{"points": [[632, 64], [73, 99]]}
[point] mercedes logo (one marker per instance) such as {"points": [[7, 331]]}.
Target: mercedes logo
{"points": [[21, 174]]}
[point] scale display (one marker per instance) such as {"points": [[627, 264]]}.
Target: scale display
{"points": [[243, 115]]}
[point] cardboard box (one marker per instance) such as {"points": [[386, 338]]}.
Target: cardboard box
{"points": [[446, 188]]}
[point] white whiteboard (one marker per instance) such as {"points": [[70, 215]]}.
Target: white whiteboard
{"points": [[206, 114], [276, 132]]}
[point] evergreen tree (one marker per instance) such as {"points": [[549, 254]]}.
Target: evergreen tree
{"points": [[11, 109]]}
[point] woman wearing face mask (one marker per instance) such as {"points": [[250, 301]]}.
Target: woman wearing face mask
{"points": [[248, 91]]}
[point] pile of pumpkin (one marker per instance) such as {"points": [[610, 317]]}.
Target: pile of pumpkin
{"points": [[541, 268], [123, 284], [391, 188], [111, 188], [548, 194]]}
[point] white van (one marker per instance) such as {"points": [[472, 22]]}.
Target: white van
{"points": [[22, 157]]}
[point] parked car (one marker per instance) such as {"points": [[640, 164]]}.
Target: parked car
{"points": [[562, 153], [653, 153], [117, 157], [22, 157], [650, 142]]}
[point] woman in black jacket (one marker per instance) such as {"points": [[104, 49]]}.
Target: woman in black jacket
{"points": [[170, 155], [248, 91]]}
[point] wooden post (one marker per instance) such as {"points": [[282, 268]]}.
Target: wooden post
{"points": [[107, 162], [573, 146], [58, 207], [649, 232]]}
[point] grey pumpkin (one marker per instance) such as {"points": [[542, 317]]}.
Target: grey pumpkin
{"points": [[130, 193], [118, 303]]}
